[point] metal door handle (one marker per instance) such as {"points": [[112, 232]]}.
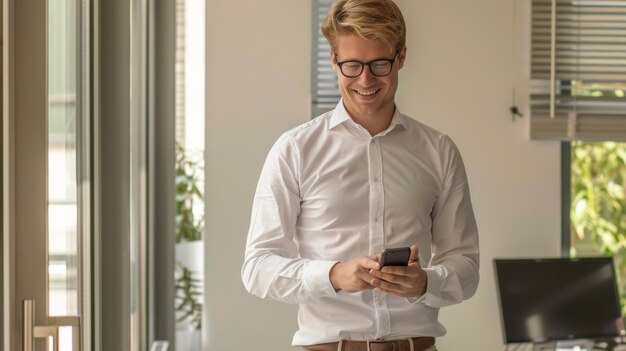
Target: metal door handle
{"points": [[31, 331]]}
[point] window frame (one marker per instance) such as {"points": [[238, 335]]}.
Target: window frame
{"points": [[319, 8], [568, 50], [566, 197]]}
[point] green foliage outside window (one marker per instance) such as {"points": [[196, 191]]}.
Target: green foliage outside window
{"points": [[598, 204], [598, 90], [189, 170], [189, 227]]}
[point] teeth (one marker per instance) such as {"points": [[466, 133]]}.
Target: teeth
{"points": [[366, 92]]}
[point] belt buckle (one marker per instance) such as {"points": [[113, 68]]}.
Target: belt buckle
{"points": [[393, 344]]}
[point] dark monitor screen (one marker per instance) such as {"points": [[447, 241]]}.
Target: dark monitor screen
{"points": [[558, 299]]}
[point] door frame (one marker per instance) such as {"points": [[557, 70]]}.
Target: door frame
{"points": [[24, 167], [17, 77], [109, 295]]}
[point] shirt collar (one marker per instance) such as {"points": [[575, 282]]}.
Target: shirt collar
{"points": [[398, 119], [340, 115]]}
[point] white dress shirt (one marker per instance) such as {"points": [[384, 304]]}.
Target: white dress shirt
{"points": [[331, 192]]}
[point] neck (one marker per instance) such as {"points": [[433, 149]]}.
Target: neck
{"points": [[376, 122]]}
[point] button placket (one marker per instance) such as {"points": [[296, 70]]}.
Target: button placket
{"points": [[377, 241], [376, 197]]}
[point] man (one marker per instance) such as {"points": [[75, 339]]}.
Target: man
{"points": [[352, 182]]}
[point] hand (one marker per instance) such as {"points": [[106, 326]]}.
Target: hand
{"points": [[353, 276], [409, 281]]}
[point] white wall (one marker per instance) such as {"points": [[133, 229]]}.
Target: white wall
{"points": [[257, 81], [465, 59]]}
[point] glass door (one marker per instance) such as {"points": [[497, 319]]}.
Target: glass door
{"points": [[47, 185]]}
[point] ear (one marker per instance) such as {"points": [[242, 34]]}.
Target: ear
{"points": [[333, 60], [401, 57]]}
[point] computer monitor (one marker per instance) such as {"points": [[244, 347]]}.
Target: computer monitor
{"points": [[544, 300]]}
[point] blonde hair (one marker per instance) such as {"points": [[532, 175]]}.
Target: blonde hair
{"points": [[370, 19]]}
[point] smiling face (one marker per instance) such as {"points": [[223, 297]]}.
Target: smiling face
{"points": [[367, 98]]}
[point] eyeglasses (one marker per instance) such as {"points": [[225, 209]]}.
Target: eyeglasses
{"points": [[379, 68]]}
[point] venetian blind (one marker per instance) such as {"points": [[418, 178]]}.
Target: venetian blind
{"points": [[324, 90], [578, 70]]}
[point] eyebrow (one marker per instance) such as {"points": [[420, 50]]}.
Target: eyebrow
{"points": [[355, 60], [376, 59]]}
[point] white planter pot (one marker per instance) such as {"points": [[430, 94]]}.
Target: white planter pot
{"points": [[191, 255], [188, 340]]}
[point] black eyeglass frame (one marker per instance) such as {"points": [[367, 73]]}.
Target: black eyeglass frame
{"points": [[368, 64]]}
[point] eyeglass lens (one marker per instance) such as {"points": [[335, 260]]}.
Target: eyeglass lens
{"points": [[355, 68]]}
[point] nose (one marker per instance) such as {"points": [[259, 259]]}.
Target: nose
{"points": [[366, 76]]}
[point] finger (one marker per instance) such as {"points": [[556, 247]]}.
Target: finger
{"points": [[392, 278], [392, 289], [368, 263], [414, 254], [364, 274], [387, 286], [407, 271], [365, 278], [405, 276], [406, 281]]}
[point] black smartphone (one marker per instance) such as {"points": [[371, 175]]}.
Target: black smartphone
{"points": [[395, 257]]}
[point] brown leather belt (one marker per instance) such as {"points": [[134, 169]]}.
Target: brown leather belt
{"points": [[419, 344]]}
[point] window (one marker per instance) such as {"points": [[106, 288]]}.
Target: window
{"points": [[189, 168], [578, 88], [324, 89], [597, 209], [578, 70]]}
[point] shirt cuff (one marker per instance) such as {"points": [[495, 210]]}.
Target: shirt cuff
{"points": [[432, 289], [316, 279]]}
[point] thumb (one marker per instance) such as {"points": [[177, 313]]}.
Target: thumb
{"points": [[369, 263], [414, 254]]}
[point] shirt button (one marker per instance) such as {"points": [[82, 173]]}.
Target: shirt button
{"points": [[375, 179]]}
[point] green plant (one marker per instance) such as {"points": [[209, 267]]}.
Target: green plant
{"points": [[189, 170], [189, 227], [188, 296], [598, 207]]}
